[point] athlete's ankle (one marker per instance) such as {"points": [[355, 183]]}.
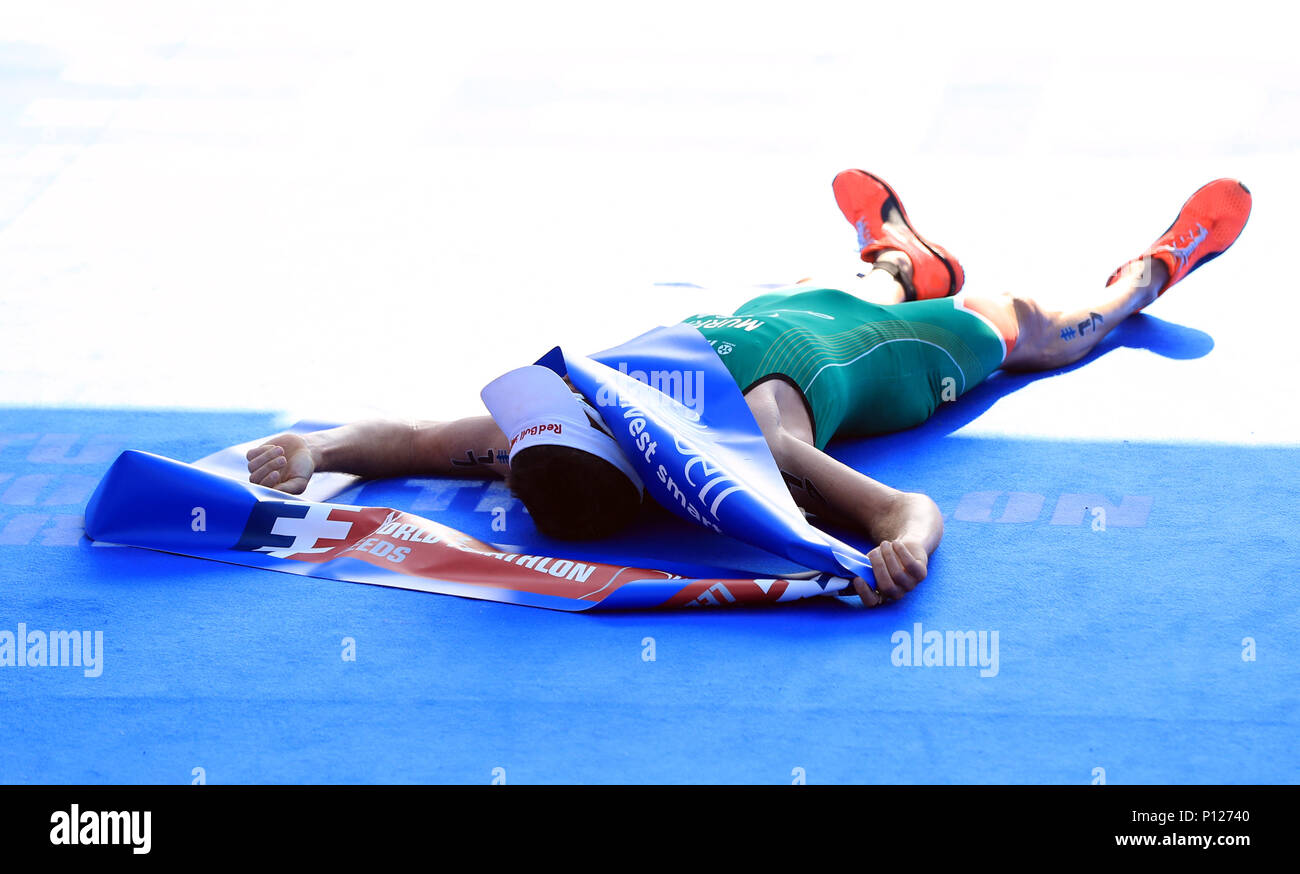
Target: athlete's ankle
{"points": [[1157, 274], [1146, 276], [1151, 275], [1140, 282], [897, 259]]}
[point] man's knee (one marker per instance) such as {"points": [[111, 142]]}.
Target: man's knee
{"points": [[998, 310], [1034, 349], [1030, 316]]}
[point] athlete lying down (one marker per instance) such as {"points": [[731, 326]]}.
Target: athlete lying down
{"points": [[874, 355]]}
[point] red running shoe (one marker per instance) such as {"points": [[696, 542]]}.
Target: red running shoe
{"points": [[1209, 222], [874, 209]]}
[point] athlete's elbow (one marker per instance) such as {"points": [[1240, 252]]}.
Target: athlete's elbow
{"points": [[936, 515], [783, 445], [928, 519], [912, 516]]}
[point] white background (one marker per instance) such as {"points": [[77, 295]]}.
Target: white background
{"points": [[375, 209]]}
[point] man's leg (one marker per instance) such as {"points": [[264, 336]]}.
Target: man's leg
{"points": [[884, 280], [1051, 338], [1209, 222]]}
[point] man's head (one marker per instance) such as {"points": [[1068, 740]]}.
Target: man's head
{"points": [[572, 494], [564, 464]]}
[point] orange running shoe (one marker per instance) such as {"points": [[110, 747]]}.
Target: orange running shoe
{"points": [[874, 209], [1209, 222]]}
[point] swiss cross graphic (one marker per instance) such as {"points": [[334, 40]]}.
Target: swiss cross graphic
{"points": [[316, 525], [284, 529]]}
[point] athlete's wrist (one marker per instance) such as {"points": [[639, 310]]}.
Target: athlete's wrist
{"points": [[322, 449]]}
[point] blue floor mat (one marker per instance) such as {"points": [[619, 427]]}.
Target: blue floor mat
{"points": [[1121, 646]]}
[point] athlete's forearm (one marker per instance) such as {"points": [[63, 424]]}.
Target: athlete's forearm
{"points": [[373, 449], [380, 448], [833, 490], [857, 502]]}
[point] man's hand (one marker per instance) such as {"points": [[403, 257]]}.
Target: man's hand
{"points": [[898, 566], [285, 462]]}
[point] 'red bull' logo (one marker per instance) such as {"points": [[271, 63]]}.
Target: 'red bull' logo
{"points": [[551, 427]]}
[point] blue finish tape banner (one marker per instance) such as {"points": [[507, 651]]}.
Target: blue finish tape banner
{"points": [[670, 403], [154, 502], [683, 422]]}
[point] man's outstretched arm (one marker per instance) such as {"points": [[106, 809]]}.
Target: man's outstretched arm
{"points": [[906, 526], [377, 449]]}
